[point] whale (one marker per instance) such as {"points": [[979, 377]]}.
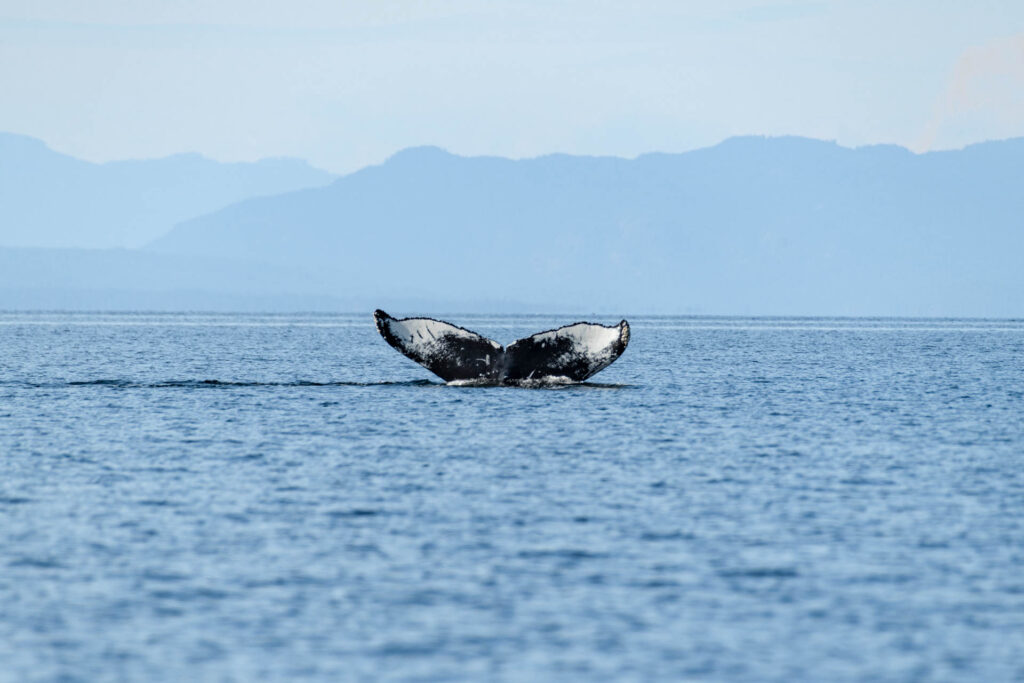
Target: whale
{"points": [[568, 354]]}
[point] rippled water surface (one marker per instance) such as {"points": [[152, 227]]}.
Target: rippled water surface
{"points": [[188, 497]]}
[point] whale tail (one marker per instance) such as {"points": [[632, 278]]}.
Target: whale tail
{"points": [[570, 353]]}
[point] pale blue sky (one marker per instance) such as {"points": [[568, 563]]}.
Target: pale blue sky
{"points": [[346, 84]]}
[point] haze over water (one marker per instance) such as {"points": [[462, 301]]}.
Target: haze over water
{"points": [[222, 497]]}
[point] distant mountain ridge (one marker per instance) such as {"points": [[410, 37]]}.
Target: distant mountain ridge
{"points": [[48, 199], [787, 226]]}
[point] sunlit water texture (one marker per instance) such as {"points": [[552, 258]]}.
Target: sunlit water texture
{"points": [[187, 497]]}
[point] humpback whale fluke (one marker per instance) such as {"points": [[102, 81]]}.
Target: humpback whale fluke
{"points": [[569, 354]]}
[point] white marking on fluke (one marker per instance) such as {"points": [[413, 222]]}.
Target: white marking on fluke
{"points": [[569, 354]]}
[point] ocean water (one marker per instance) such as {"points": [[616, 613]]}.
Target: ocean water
{"points": [[243, 498]]}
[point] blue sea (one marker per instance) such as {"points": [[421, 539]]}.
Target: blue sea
{"points": [[284, 497]]}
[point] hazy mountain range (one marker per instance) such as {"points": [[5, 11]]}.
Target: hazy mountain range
{"points": [[48, 199], [786, 226]]}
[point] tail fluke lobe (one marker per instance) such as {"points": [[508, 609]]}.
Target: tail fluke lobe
{"points": [[575, 352], [450, 352]]}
